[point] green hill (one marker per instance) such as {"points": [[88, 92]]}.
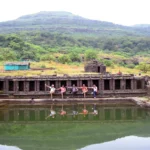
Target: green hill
{"points": [[65, 22], [39, 36]]}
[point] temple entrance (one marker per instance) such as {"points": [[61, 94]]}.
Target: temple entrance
{"points": [[139, 84], [21, 85], [10, 85], [74, 82], [117, 84], [42, 86], [128, 83], [96, 82], [106, 85], [85, 82], [1, 85], [31, 85], [63, 83], [52, 82], [99, 69]]}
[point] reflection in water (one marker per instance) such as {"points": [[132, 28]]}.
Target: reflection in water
{"points": [[126, 143], [5, 147]]}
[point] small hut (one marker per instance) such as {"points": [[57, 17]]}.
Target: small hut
{"points": [[95, 66], [16, 66]]}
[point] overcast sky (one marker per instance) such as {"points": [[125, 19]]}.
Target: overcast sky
{"points": [[125, 12]]}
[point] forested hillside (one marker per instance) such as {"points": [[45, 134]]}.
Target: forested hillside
{"points": [[50, 35]]}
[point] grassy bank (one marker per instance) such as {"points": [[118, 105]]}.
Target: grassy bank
{"points": [[67, 136], [50, 68]]}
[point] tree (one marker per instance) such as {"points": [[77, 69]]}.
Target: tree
{"points": [[74, 57], [7, 54], [47, 57], [144, 67], [90, 55], [64, 59]]}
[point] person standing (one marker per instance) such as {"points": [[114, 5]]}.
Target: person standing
{"points": [[84, 90], [94, 90], [62, 91], [74, 90], [52, 89]]}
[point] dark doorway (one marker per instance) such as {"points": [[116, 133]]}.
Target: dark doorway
{"points": [[42, 86], [21, 85], [63, 83], [31, 85], [1, 85], [52, 82], [128, 83], [106, 85], [74, 82], [85, 82], [99, 69], [139, 84], [117, 84], [11, 86], [96, 82]]}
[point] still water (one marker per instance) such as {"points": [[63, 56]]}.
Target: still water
{"points": [[113, 127], [125, 143]]}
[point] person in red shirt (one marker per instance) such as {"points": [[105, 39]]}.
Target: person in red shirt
{"points": [[84, 90]]}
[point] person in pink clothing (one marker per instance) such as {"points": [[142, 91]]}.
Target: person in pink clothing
{"points": [[62, 91]]}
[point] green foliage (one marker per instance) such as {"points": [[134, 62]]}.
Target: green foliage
{"points": [[90, 55], [108, 63], [43, 66], [7, 54], [64, 59], [130, 66], [47, 57], [144, 67], [74, 57]]}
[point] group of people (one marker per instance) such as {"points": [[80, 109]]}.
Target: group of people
{"points": [[74, 90]]}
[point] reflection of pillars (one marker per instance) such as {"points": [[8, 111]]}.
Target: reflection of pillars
{"points": [[101, 114], [123, 114], [26, 114], [134, 113], [112, 114], [143, 113], [16, 115], [6, 115], [37, 114]]}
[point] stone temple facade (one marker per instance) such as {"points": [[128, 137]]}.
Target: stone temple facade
{"points": [[95, 66]]}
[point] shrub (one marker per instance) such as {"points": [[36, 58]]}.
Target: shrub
{"points": [[47, 58], [64, 59]]}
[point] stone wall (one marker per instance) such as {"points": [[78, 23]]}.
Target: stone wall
{"points": [[108, 85]]}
